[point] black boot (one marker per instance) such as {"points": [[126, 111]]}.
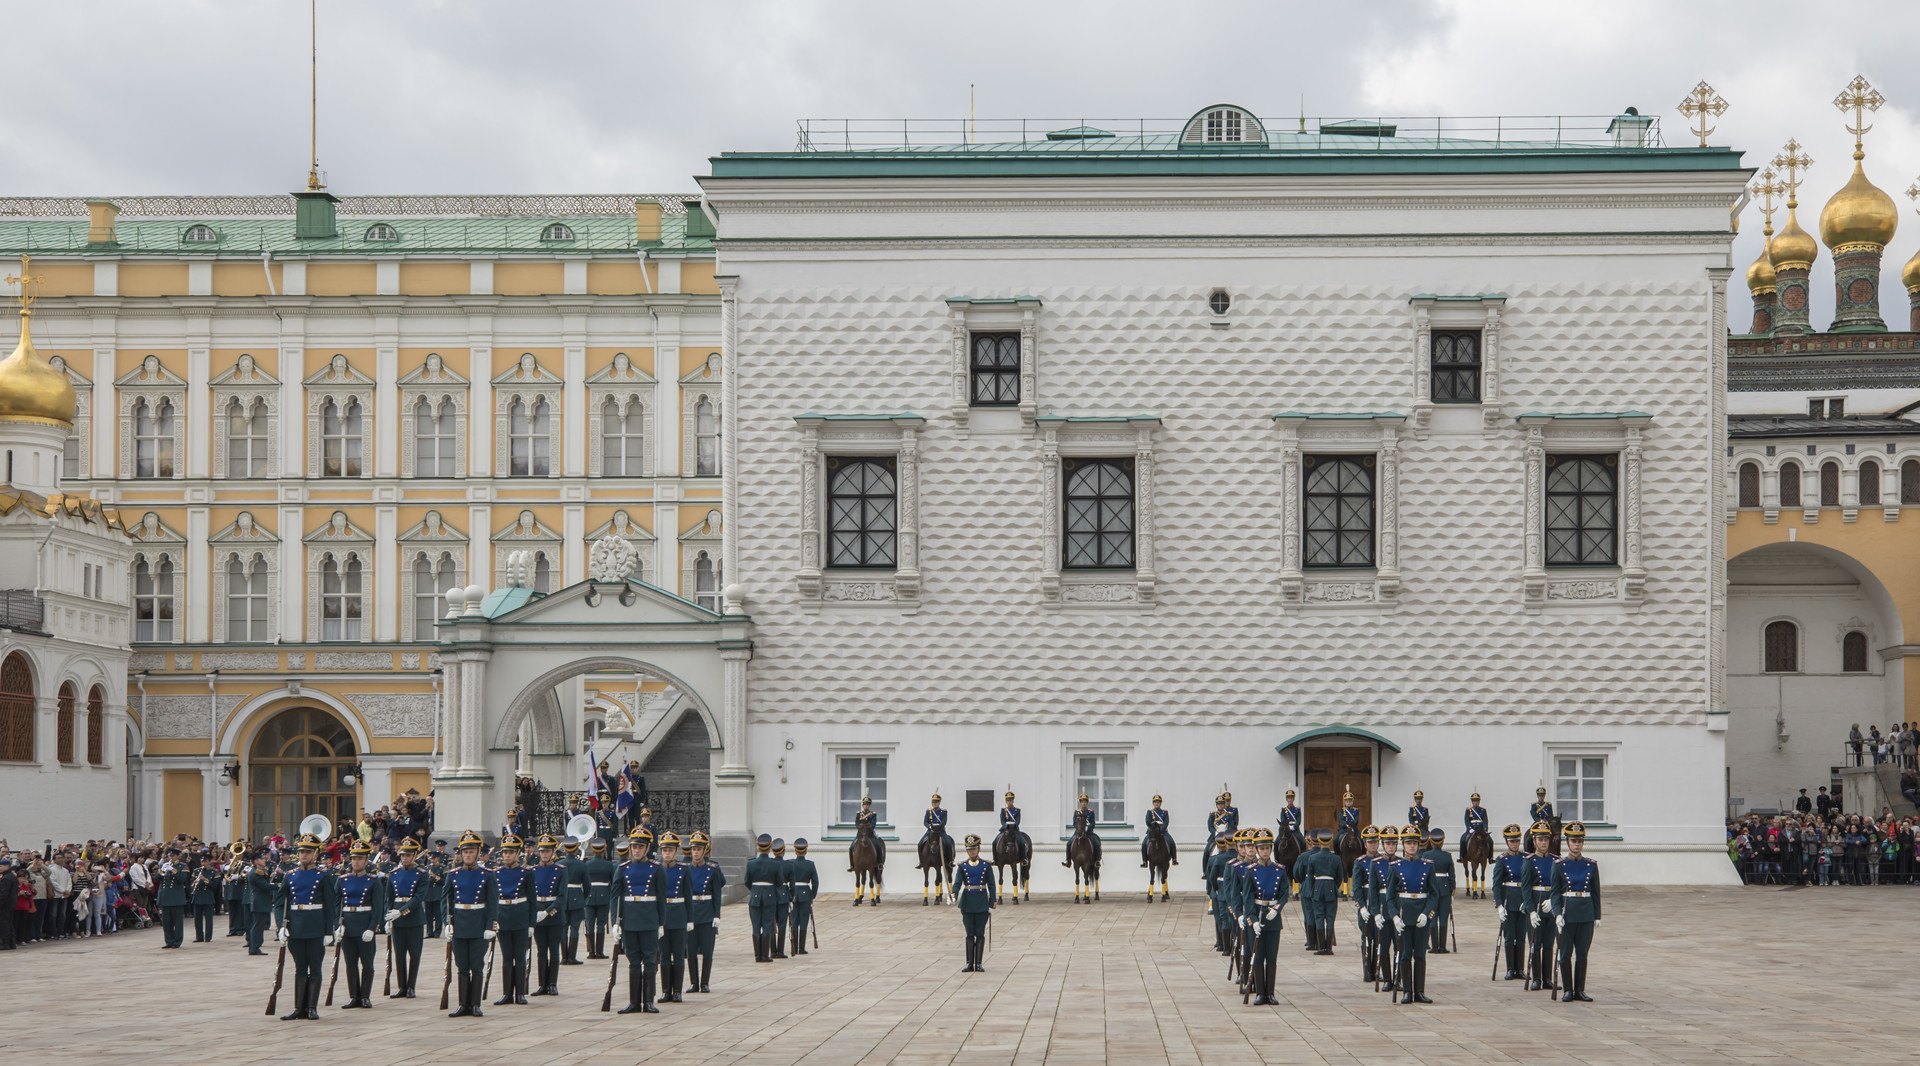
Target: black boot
{"points": [[799, 940], [506, 982], [1325, 940], [544, 967], [313, 1000], [476, 988], [520, 982], [779, 943], [706, 971], [464, 1008], [633, 993], [1580, 981], [1567, 994], [1420, 980], [413, 977], [299, 1010], [646, 992]]}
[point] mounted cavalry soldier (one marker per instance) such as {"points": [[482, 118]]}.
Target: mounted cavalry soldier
{"points": [[363, 906], [1010, 815], [1411, 899], [637, 926], [1349, 814], [1476, 819], [1537, 884], [1290, 817], [1221, 815], [1443, 885], [763, 879], [804, 877], [1576, 907], [1418, 815], [1511, 904], [705, 883], [869, 820], [308, 905], [1083, 819], [406, 917], [1541, 812], [1318, 872], [1359, 889], [1158, 818], [935, 821], [1266, 886], [978, 889], [549, 916], [598, 871]]}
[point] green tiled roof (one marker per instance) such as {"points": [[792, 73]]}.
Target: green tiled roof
{"points": [[418, 236]]}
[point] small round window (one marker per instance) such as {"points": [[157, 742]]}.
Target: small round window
{"points": [[1219, 302]]}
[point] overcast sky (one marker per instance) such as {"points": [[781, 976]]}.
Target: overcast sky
{"points": [[556, 96]]}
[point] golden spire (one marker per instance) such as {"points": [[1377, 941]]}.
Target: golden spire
{"points": [[30, 390], [1910, 274], [1859, 213], [1760, 275], [1794, 246], [1701, 103], [314, 184]]}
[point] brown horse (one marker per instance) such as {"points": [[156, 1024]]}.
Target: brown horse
{"points": [[1288, 846], [1554, 824], [867, 865], [933, 869], [1476, 853], [1012, 848], [1347, 845], [1159, 853], [1086, 868]]}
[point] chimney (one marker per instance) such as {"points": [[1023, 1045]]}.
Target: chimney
{"points": [[100, 216], [313, 217], [646, 221], [699, 224], [1630, 130]]}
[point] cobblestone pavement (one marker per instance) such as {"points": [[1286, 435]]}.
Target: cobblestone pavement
{"points": [[1754, 975]]}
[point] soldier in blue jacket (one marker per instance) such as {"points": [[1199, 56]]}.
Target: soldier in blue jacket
{"points": [[975, 885], [363, 910], [1266, 888], [1541, 811], [1537, 883], [935, 821], [406, 917], [804, 878], [473, 903], [1359, 889], [513, 921], [598, 871], [1215, 819], [869, 819], [1443, 886], [308, 903], [1349, 814], [1386, 938], [1158, 818], [1576, 907], [782, 897], [1010, 815], [258, 901], [763, 880], [1290, 818], [1475, 819], [1418, 815], [1085, 818], [1320, 882], [170, 895], [1410, 899], [676, 918], [576, 909], [1510, 903], [637, 884], [706, 882], [549, 915]]}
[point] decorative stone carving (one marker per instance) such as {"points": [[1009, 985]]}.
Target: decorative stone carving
{"points": [[239, 660], [353, 660], [519, 569], [146, 660], [1338, 592], [409, 660], [184, 717], [1101, 593], [297, 660], [395, 714], [612, 559], [857, 592], [1582, 590]]}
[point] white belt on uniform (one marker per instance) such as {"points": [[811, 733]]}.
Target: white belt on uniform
{"points": [[639, 899], [352, 910], [1324, 877], [469, 906], [700, 897], [303, 906], [1412, 895], [546, 899], [761, 884], [401, 899], [1581, 895], [600, 884]]}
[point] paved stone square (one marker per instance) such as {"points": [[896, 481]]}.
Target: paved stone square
{"points": [[1736, 975]]}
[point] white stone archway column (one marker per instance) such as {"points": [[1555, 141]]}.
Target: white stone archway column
{"points": [[732, 796]]}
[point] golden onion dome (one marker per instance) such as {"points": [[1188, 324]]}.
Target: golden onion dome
{"points": [[1792, 246], [31, 390], [1910, 274], [1859, 214], [1760, 275]]}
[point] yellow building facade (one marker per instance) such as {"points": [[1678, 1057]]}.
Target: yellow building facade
{"points": [[315, 416]]}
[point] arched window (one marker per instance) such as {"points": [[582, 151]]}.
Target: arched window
{"points": [[247, 598], [706, 439], [16, 709], [63, 724], [1789, 484], [1853, 652], [294, 768], [340, 597], [529, 447], [1830, 484], [557, 231], [1782, 648], [246, 438], [199, 233], [706, 582], [1910, 481], [380, 231], [622, 438], [340, 438], [152, 438], [96, 727], [153, 599], [433, 438], [1869, 483], [432, 580], [1749, 484]]}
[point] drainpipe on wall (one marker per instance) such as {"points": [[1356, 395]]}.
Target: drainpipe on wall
{"points": [[140, 679], [213, 716], [437, 711]]}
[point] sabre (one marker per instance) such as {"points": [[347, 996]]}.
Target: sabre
{"points": [[487, 981], [388, 991], [1499, 942]]}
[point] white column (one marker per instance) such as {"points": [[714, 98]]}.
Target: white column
{"points": [[386, 405], [733, 713], [386, 574], [573, 551], [668, 461], [451, 742], [201, 587], [573, 409], [293, 578], [46, 718], [473, 710], [195, 409], [480, 395]]}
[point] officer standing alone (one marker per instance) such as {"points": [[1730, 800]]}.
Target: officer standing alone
{"points": [[1576, 907], [978, 889], [170, 895], [598, 871]]}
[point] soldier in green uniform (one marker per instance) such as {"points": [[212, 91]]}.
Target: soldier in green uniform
{"points": [[308, 903], [473, 902], [1576, 907], [1219, 852], [676, 919], [576, 909], [1510, 903], [598, 871], [638, 925], [977, 888], [705, 884], [406, 917], [258, 901], [804, 878], [233, 890], [1322, 885], [549, 916], [170, 895], [363, 907], [1303, 879], [203, 891], [437, 891], [1245, 857], [1443, 877], [763, 880], [1536, 881], [513, 921], [782, 897], [1264, 891]]}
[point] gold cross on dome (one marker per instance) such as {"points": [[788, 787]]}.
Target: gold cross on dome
{"points": [[23, 279], [1766, 187], [1913, 193], [1792, 160], [1859, 98], [1699, 104]]}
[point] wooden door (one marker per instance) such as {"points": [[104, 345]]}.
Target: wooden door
{"points": [[1330, 774]]}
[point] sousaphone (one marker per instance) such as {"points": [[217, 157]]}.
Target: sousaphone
{"points": [[316, 825], [580, 829]]}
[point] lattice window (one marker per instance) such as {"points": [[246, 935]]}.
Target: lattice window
{"points": [[1830, 484], [1749, 484], [529, 430], [1869, 483], [1853, 653], [153, 598], [1098, 513], [1782, 647], [16, 709], [248, 435], [1789, 484], [862, 511], [706, 438], [1910, 481], [63, 723], [153, 429], [623, 438], [342, 596], [1339, 510], [996, 369], [96, 727], [1456, 366], [341, 437], [1582, 510], [435, 437], [862, 777], [1103, 780]]}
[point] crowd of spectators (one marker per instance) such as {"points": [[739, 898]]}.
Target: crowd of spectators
{"points": [[1826, 848], [1899, 745]]}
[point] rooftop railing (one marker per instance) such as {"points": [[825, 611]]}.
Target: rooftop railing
{"points": [[21, 609], [1345, 133], [251, 236], [280, 205]]}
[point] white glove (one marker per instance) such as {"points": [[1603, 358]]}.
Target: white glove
{"points": [[282, 935], [1399, 924], [1257, 926], [1546, 906], [1379, 921], [1503, 912], [1363, 915], [1421, 921], [716, 919], [488, 935], [689, 927], [393, 916], [1561, 923], [367, 936], [616, 931], [330, 939], [1533, 919]]}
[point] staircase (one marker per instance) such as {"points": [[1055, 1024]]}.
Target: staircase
{"points": [[1866, 789], [1889, 776]]}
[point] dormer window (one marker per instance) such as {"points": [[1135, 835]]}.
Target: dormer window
{"points": [[557, 231], [380, 231], [1223, 124], [199, 233]]}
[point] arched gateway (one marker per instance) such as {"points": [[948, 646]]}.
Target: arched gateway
{"points": [[505, 652]]}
